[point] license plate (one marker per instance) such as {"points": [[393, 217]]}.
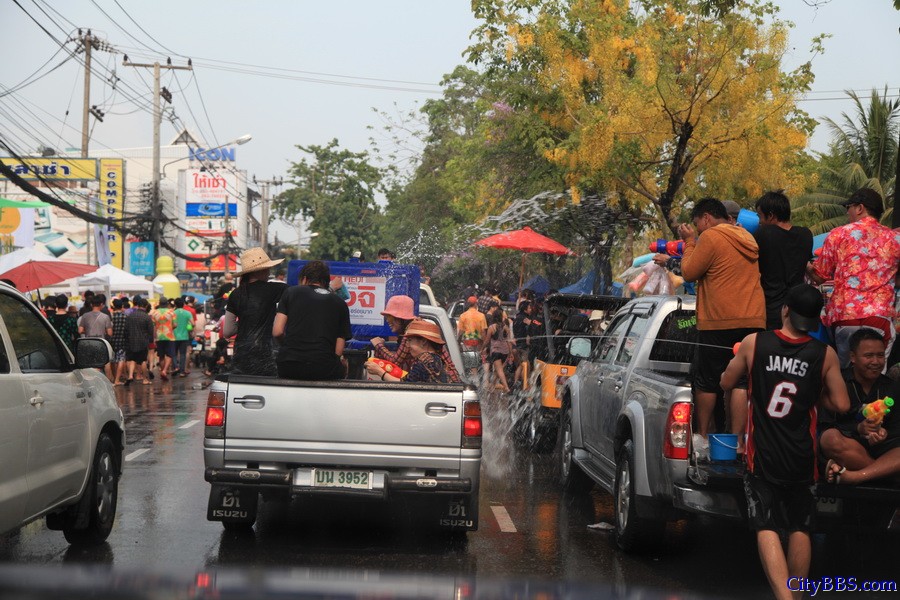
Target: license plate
{"points": [[829, 506], [338, 478]]}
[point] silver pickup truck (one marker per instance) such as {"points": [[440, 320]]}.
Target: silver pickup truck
{"points": [[625, 425], [415, 445], [61, 432]]}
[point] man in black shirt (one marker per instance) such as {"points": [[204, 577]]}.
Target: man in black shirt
{"points": [[312, 324], [789, 371], [784, 251], [858, 449]]}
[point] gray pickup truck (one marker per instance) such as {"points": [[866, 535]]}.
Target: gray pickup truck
{"points": [[62, 433], [413, 445], [626, 426]]}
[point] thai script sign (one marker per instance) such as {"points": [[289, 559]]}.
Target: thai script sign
{"points": [[53, 169], [211, 227], [112, 192], [366, 299], [141, 258], [210, 187], [217, 263]]}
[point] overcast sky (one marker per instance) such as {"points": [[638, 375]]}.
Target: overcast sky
{"points": [[401, 45]]}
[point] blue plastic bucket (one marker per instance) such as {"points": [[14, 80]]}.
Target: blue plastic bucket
{"points": [[748, 219], [723, 446]]}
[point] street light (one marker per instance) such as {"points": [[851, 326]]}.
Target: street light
{"points": [[303, 243]]}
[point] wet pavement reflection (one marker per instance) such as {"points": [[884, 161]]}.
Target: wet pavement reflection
{"points": [[161, 523]]}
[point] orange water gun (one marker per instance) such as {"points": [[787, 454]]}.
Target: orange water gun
{"points": [[874, 412], [389, 367]]}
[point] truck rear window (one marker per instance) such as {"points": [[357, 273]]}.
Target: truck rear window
{"points": [[677, 338]]}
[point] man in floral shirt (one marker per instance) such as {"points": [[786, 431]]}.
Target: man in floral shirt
{"points": [[862, 258]]}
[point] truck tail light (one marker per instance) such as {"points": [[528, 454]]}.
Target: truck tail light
{"points": [[215, 414], [471, 425], [678, 431]]}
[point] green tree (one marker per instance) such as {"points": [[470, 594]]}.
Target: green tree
{"points": [[334, 188], [862, 153]]}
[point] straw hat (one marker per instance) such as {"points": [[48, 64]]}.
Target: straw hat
{"points": [[426, 330], [400, 307], [256, 259]]}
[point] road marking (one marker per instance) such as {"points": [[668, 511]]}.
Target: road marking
{"points": [[189, 424], [503, 519], [130, 457]]}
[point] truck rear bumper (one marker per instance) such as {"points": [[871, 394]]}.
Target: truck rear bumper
{"points": [[383, 482], [720, 503]]}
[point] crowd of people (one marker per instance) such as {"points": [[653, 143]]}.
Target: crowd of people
{"points": [[754, 290], [145, 337]]}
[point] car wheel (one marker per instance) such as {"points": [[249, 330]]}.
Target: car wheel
{"points": [[572, 478], [540, 435], [632, 531], [100, 497]]}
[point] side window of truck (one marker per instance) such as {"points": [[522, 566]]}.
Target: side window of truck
{"points": [[609, 341], [36, 348], [677, 338], [635, 333]]}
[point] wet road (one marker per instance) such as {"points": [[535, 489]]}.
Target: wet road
{"points": [[528, 529]]}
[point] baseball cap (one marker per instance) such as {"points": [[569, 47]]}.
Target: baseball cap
{"points": [[472, 300], [804, 304], [868, 198], [732, 208]]}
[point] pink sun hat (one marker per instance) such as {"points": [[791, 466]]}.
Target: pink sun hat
{"points": [[400, 307]]}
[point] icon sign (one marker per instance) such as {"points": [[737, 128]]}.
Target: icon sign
{"points": [[193, 245]]}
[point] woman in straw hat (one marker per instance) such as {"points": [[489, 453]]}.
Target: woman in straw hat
{"points": [[425, 343], [250, 313], [399, 313]]}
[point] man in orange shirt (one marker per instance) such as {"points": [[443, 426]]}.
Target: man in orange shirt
{"points": [[730, 305], [471, 328]]}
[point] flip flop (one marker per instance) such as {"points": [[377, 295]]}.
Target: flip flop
{"points": [[832, 476], [145, 382]]}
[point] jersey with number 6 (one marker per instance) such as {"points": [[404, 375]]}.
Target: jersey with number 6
{"points": [[785, 385]]}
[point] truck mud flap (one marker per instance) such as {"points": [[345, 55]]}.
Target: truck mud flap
{"points": [[232, 504]]}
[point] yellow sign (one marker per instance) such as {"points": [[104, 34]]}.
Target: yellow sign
{"points": [[112, 196], [9, 220], [54, 169]]}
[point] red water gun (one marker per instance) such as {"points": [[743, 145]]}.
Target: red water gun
{"points": [[389, 367], [874, 412], [672, 248]]}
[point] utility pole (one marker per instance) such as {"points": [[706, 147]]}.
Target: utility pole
{"points": [[227, 232], [88, 42], [264, 225], [156, 213]]}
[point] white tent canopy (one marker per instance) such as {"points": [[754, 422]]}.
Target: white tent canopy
{"points": [[108, 278]]}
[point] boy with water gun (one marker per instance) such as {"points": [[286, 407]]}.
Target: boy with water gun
{"points": [[863, 444]]}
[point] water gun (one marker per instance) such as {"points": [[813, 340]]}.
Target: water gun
{"points": [[389, 367], [874, 412], [672, 248]]}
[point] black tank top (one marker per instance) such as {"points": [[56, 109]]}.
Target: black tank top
{"points": [[785, 385]]}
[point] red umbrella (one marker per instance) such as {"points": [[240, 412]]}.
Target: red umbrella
{"points": [[35, 274], [526, 240]]}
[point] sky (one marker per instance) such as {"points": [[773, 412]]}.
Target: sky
{"points": [[340, 60]]}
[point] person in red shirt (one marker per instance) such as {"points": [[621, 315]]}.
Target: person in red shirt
{"points": [[862, 258]]}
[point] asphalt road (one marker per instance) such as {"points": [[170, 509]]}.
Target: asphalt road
{"points": [[528, 531]]}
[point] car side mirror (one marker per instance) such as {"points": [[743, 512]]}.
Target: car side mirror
{"points": [[579, 347], [92, 353]]}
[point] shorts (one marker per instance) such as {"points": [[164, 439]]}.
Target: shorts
{"points": [[775, 507], [138, 356], [165, 348], [119, 356], [714, 352], [495, 356], [889, 443]]}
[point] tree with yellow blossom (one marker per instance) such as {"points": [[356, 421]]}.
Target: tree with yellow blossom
{"points": [[661, 101]]}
